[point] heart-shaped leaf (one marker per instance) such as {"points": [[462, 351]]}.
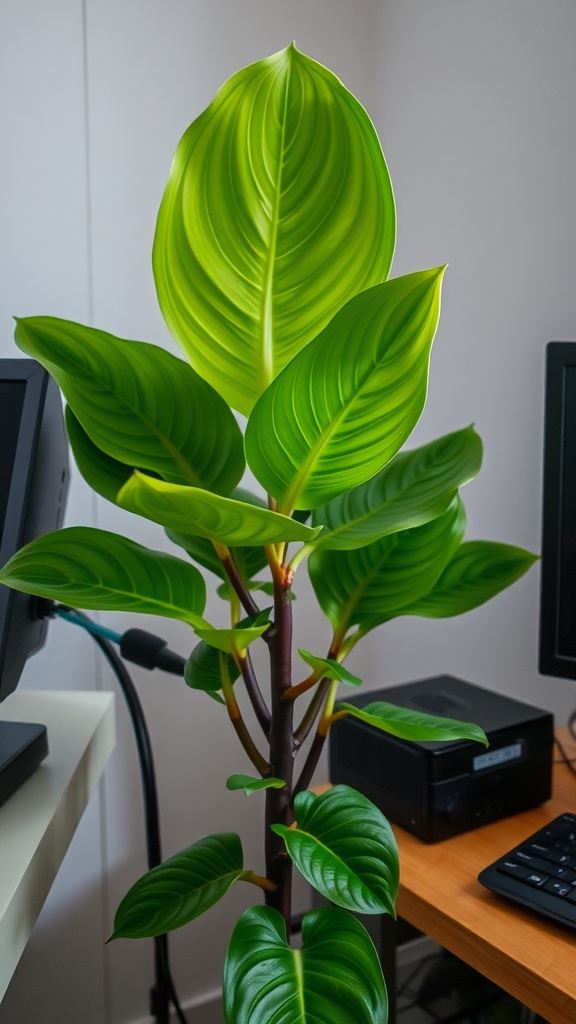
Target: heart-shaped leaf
{"points": [[335, 978], [330, 668], [411, 725], [95, 569], [478, 571], [181, 888], [369, 585], [345, 404], [345, 848], [192, 510], [252, 785], [415, 487], [203, 670], [125, 395], [279, 189]]}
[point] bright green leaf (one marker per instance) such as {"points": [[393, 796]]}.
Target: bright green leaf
{"points": [[345, 404], [248, 560], [252, 785], [478, 571], [345, 848], [181, 888], [139, 404], [94, 569], [203, 670], [190, 510], [335, 978], [278, 209], [330, 668], [415, 487], [231, 640], [369, 585], [411, 725]]}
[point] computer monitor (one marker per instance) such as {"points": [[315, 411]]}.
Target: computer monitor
{"points": [[558, 568], [34, 476]]}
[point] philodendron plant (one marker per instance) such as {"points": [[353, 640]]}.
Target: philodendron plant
{"points": [[271, 256]]}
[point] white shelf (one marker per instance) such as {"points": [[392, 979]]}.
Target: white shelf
{"points": [[38, 822]]}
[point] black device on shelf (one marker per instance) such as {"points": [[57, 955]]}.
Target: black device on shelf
{"points": [[440, 789], [558, 563], [34, 476]]}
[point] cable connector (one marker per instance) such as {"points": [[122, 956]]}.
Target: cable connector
{"points": [[149, 651]]}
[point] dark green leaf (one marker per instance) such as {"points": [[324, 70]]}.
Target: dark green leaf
{"points": [[478, 571], [370, 585], [336, 977], [139, 404], [202, 670], [94, 569], [278, 208], [345, 848], [415, 487], [345, 404], [181, 888]]}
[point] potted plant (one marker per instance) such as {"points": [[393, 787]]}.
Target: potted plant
{"points": [[273, 245]]}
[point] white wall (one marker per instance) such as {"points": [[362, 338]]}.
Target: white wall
{"points": [[474, 102], [94, 98]]}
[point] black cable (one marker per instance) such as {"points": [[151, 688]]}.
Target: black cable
{"points": [[163, 992]]}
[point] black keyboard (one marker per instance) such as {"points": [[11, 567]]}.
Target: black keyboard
{"points": [[540, 872]]}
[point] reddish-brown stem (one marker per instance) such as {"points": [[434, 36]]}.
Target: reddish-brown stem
{"points": [[253, 690], [282, 749], [311, 713]]}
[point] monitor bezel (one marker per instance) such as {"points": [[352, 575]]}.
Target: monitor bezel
{"points": [[560, 356]]}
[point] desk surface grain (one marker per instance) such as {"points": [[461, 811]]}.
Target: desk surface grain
{"points": [[532, 959]]}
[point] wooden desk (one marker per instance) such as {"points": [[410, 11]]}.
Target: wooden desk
{"points": [[533, 960], [38, 822]]}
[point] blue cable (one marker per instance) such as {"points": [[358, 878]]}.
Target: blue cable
{"points": [[91, 627]]}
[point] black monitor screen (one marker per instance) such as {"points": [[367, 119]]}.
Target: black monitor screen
{"points": [[11, 402], [33, 486], [558, 570]]}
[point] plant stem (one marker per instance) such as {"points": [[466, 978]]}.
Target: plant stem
{"points": [[235, 717], [253, 690], [319, 740], [282, 749], [246, 599]]}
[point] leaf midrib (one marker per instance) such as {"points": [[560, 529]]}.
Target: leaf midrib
{"points": [[267, 292]]}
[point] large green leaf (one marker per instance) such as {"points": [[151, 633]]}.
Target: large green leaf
{"points": [[345, 848], [335, 978], [278, 209], [415, 487], [478, 571], [139, 404], [95, 569], [369, 585], [101, 472], [411, 725], [190, 510], [181, 888], [248, 560], [345, 405]]}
